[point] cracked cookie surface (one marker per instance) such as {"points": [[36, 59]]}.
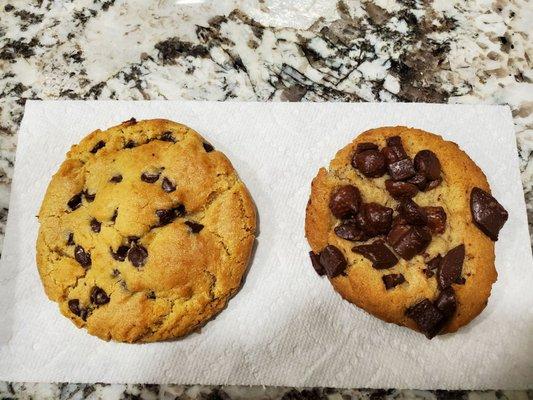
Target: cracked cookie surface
{"points": [[402, 281], [145, 232]]}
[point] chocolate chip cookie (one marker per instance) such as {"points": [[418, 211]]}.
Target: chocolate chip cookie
{"points": [[403, 224], [145, 232]]}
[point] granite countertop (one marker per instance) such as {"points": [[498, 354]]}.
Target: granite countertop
{"points": [[262, 50]]}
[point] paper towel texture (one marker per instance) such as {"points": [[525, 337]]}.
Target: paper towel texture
{"points": [[286, 326]]}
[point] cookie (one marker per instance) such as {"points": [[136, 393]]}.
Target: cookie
{"points": [[403, 223], [145, 232]]}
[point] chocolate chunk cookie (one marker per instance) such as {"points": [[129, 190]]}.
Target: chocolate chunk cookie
{"points": [[414, 240], [145, 232]]}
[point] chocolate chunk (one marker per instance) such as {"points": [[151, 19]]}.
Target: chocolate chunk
{"points": [[70, 239], [371, 163], [451, 266], [446, 302], [412, 212], [315, 261], [74, 307], [374, 218], [130, 121], [88, 196], [149, 177], [179, 210], [98, 296], [114, 216], [460, 281], [97, 146], [401, 170], [344, 201], [433, 184], [74, 202], [137, 255], [333, 261], [194, 227], [419, 181], [130, 144], [427, 163], [165, 216], [349, 230], [434, 263], [116, 179], [392, 280], [365, 146], [409, 241], [208, 147], [151, 295], [489, 215], [393, 154], [429, 273], [427, 316], [167, 137], [394, 141], [436, 217], [399, 220], [400, 190], [167, 185], [378, 253], [120, 254], [83, 257], [95, 225]]}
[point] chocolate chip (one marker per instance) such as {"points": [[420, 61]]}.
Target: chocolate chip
{"points": [[399, 220], [130, 144], [150, 177], [436, 217], [446, 302], [97, 146], [344, 201], [166, 216], [137, 255], [429, 273], [378, 253], [408, 240], [400, 190], [365, 146], [167, 137], [371, 163], [130, 121], [401, 170], [194, 226], [393, 154], [374, 218], [179, 210], [115, 273], [70, 239], [460, 281], [333, 261], [412, 212], [394, 141], [315, 261], [151, 295], [419, 181], [83, 257], [167, 185], [433, 184], [98, 296], [208, 147], [116, 179], [120, 254], [434, 263], [392, 280], [451, 266], [88, 196], [427, 316], [114, 216], [349, 230], [74, 307], [95, 225], [427, 163], [489, 215], [74, 202]]}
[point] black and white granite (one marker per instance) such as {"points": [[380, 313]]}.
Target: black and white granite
{"points": [[264, 50]]}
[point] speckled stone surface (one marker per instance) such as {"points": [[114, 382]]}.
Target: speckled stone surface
{"points": [[263, 50]]}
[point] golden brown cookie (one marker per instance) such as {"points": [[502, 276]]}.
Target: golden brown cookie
{"points": [[391, 225], [145, 232]]}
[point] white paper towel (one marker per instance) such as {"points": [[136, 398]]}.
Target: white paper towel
{"points": [[286, 326]]}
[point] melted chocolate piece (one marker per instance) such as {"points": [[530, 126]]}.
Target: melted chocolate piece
{"points": [[74, 307], [120, 254], [427, 163], [392, 280], [115, 215], [333, 261], [194, 227], [83, 257], [165, 216], [400, 190], [130, 144], [98, 296], [401, 170], [436, 217], [149, 177], [167, 137], [208, 147], [97, 146], [116, 179], [393, 154], [408, 241], [95, 225], [70, 239], [419, 181], [427, 316], [137, 255], [315, 261], [446, 302], [412, 213], [130, 121], [344, 201], [366, 146], [451, 267], [349, 230], [371, 163], [489, 215], [434, 263], [378, 253], [374, 219], [433, 184], [167, 185], [88, 196], [74, 202]]}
